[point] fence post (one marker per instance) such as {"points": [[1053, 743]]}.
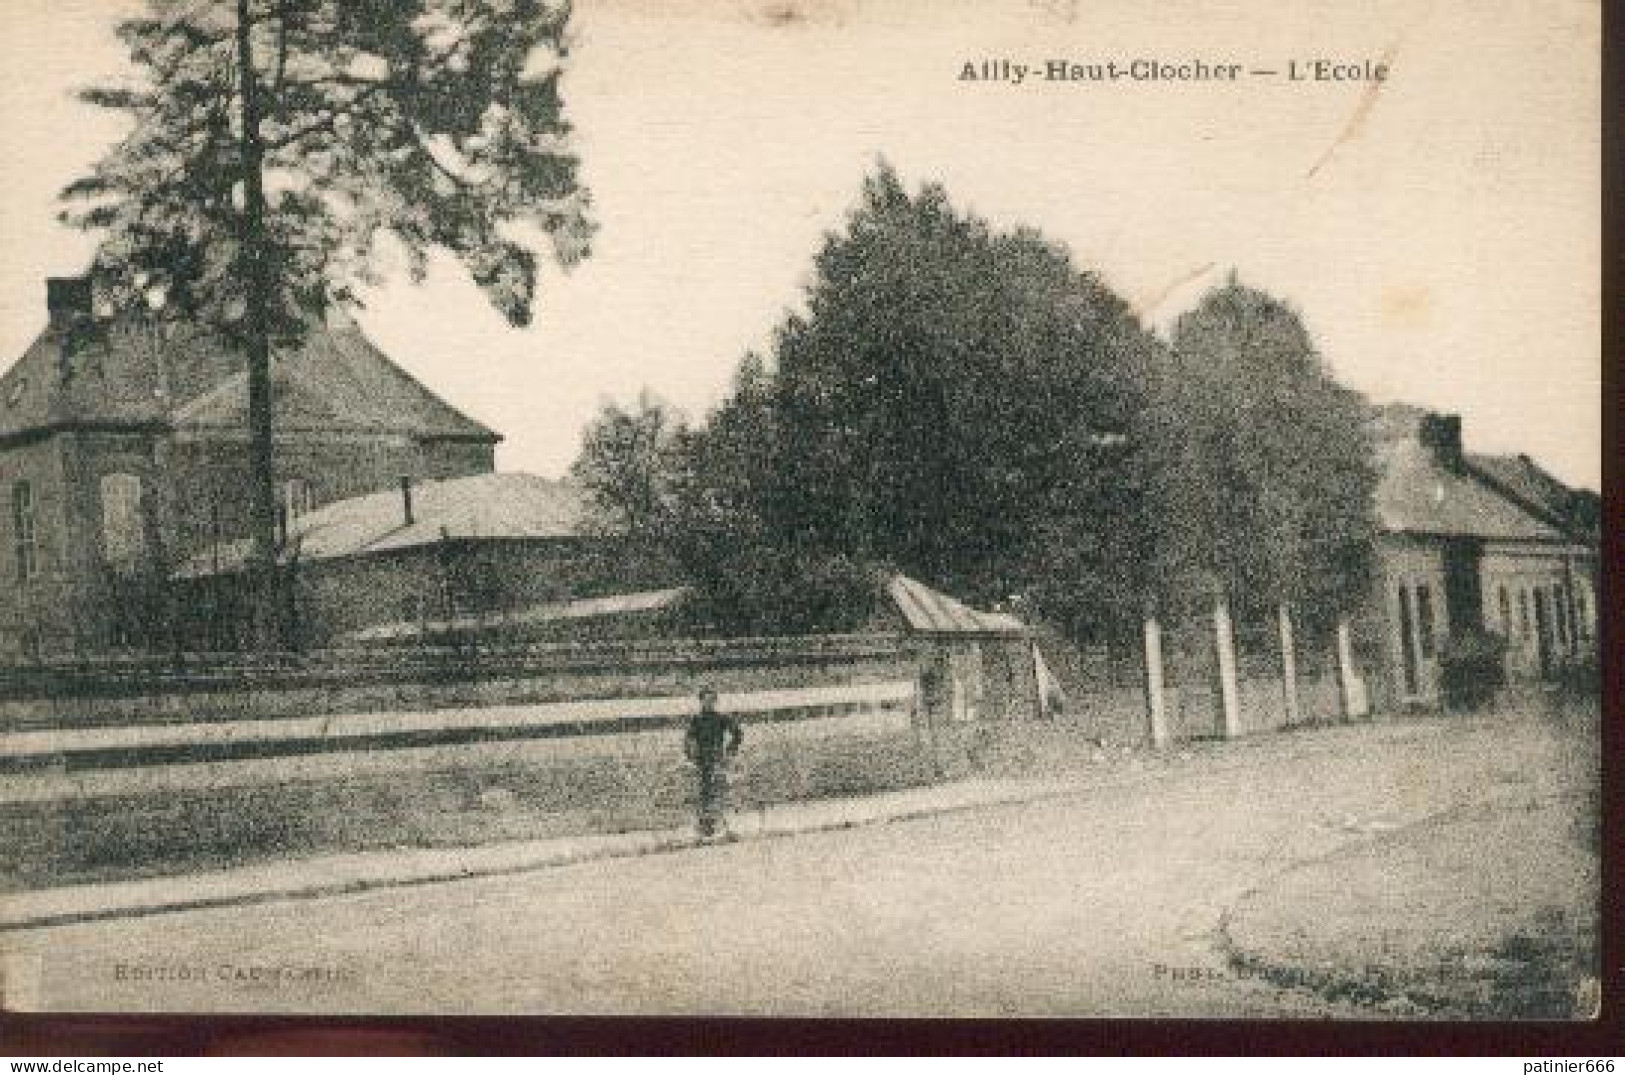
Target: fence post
{"points": [[1289, 663], [1225, 643], [1347, 678], [1156, 702]]}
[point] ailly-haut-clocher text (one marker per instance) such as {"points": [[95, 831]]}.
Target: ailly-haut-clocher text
{"points": [[1314, 69]]}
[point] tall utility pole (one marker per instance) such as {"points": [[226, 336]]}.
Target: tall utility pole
{"points": [[261, 488]]}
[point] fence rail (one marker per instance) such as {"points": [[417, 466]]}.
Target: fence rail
{"points": [[115, 675]]}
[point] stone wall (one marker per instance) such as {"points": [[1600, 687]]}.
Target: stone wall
{"points": [[175, 817], [102, 694]]}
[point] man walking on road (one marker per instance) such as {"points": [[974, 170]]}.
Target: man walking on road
{"points": [[713, 738]]}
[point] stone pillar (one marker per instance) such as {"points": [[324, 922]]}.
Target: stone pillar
{"points": [[1155, 700], [932, 708], [1224, 640], [1289, 663]]}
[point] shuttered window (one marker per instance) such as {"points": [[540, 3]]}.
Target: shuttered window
{"points": [[297, 499], [24, 538], [124, 537], [1424, 620]]}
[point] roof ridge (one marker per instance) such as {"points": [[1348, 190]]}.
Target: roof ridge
{"points": [[1548, 514], [343, 336]]}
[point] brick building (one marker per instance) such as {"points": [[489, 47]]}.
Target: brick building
{"points": [[1470, 542], [123, 452]]}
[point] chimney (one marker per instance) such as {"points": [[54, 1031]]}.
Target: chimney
{"points": [[1441, 434], [406, 500], [67, 300]]}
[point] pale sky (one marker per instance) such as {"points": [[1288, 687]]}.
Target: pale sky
{"points": [[1440, 236]]}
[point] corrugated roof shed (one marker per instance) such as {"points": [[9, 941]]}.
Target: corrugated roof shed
{"points": [[928, 611], [490, 506], [924, 611], [643, 602]]}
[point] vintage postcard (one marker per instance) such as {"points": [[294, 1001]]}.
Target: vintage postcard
{"points": [[1059, 508]]}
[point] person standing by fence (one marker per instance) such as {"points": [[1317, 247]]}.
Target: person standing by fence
{"points": [[713, 739]]}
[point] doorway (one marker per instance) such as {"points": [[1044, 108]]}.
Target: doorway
{"points": [[1543, 630]]}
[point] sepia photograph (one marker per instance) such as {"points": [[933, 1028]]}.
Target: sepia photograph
{"points": [[1064, 509]]}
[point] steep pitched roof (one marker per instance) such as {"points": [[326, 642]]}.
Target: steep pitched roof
{"points": [[1526, 481], [1418, 494], [26, 398], [337, 379], [165, 374], [481, 506], [113, 375]]}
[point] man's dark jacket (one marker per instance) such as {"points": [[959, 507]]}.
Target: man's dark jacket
{"points": [[710, 735]]}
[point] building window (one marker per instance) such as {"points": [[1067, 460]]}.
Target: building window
{"points": [[25, 539], [1560, 615], [1407, 641], [1582, 615], [1523, 613], [124, 535], [1506, 611], [297, 499], [1424, 619]]}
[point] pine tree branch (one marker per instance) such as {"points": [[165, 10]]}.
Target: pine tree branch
{"points": [[327, 121], [367, 88], [462, 183]]}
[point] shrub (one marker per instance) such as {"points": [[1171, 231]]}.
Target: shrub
{"points": [[1581, 677]]}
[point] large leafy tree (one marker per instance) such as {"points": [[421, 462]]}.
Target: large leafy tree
{"points": [[280, 149], [962, 402], [747, 575], [1268, 494], [955, 401]]}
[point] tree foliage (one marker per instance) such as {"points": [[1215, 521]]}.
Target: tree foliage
{"points": [[628, 467], [430, 123], [962, 402], [965, 405], [280, 148], [698, 496], [1268, 484], [955, 402]]}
